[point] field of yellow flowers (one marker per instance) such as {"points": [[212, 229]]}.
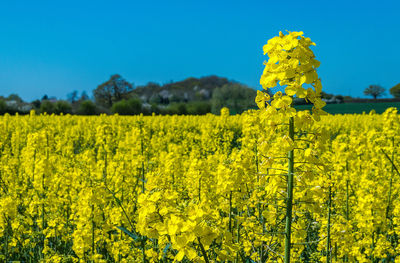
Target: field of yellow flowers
{"points": [[272, 185], [203, 189]]}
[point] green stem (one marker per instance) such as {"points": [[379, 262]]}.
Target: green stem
{"points": [[6, 243], [347, 200], [373, 245], [203, 251], [143, 188], [230, 212], [260, 216], [143, 251], [390, 184], [43, 197], [346, 258], [93, 243], [257, 169], [328, 240], [336, 250], [143, 243], [237, 231], [289, 200], [199, 189], [142, 153]]}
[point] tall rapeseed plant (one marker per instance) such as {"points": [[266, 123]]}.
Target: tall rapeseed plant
{"points": [[292, 65]]}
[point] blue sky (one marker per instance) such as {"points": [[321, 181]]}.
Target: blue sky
{"points": [[55, 47]]}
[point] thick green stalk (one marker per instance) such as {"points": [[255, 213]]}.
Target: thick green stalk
{"points": [[203, 251], [289, 199], [328, 239]]}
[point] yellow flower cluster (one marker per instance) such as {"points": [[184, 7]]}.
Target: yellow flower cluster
{"points": [[292, 65]]}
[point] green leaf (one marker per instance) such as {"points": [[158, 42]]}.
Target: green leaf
{"points": [[166, 250], [132, 235]]}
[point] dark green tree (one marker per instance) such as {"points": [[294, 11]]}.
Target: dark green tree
{"points": [[47, 107], [176, 108], [63, 107], [374, 91], [127, 107], [182, 109], [198, 107], [15, 97], [3, 107], [87, 107], [395, 91], [236, 97], [113, 90], [36, 104]]}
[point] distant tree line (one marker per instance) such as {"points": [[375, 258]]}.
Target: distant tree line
{"points": [[378, 91], [194, 96]]}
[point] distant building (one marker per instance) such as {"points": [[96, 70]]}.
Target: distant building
{"points": [[12, 104], [25, 107], [333, 100]]}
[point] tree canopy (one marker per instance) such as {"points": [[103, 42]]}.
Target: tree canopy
{"points": [[374, 91], [113, 90], [236, 97], [395, 91], [127, 107]]}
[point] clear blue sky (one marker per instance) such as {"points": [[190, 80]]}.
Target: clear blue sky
{"points": [[55, 47]]}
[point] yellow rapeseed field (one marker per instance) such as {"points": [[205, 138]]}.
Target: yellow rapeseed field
{"points": [[164, 188], [272, 185]]}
